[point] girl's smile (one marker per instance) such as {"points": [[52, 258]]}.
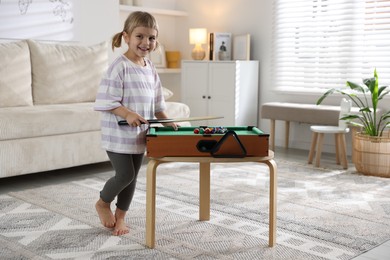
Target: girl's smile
{"points": [[141, 42]]}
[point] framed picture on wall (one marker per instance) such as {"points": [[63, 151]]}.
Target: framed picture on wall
{"points": [[158, 57], [242, 47], [220, 44]]}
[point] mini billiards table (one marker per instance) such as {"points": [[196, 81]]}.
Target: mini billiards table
{"points": [[236, 142]]}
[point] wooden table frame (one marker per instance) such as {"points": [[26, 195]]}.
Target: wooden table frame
{"points": [[204, 190]]}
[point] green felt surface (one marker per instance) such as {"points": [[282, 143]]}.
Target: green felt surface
{"points": [[166, 131]]}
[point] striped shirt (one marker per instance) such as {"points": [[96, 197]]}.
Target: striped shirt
{"points": [[137, 88]]}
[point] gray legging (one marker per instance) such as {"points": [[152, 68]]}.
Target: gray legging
{"points": [[126, 168]]}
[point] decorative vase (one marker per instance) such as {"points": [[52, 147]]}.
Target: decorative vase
{"points": [[173, 59], [371, 154], [222, 55], [138, 2], [126, 2]]}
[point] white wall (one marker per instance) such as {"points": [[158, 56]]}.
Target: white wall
{"points": [[95, 21], [235, 16]]}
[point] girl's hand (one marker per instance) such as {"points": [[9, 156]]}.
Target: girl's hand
{"points": [[173, 125], [162, 115], [134, 119]]}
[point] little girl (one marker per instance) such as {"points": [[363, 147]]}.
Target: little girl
{"points": [[130, 90]]}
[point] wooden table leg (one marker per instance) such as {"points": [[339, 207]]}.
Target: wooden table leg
{"points": [[204, 198], [272, 201], [204, 191], [151, 202]]}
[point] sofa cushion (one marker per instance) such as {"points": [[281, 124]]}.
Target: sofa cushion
{"points": [[167, 93], [15, 74], [66, 73], [46, 120]]}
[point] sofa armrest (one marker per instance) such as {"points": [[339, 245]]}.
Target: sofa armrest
{"points": [[178, 110]]}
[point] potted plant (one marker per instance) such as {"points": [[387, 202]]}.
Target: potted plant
{"points": [[371, 145]]}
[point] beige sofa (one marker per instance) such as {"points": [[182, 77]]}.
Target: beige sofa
{"points": [[47, 92]]}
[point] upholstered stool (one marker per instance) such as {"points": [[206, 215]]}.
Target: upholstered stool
{"points": [[339, 131]]}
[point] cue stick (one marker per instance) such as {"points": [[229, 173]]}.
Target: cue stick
{"points": [[171, 120]]}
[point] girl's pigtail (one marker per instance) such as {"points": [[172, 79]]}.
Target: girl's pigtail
{"points": [[116, 41]]}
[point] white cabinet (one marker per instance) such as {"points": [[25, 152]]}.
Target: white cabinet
{"points": [[221, 88]]}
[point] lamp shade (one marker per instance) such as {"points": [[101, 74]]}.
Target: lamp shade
{"points": [[198, 35]]}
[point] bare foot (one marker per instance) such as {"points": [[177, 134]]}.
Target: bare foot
{"points": [[120, 225], [105, 214], [120, 228]]}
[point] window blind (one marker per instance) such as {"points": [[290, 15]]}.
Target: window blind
{"points": [[319, 44]]}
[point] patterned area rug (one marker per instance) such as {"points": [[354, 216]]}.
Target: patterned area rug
{"points": [[322, 214]]}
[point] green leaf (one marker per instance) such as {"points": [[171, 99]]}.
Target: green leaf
{"points": [[365, 109], [355, 86], [350, 117], [370, 83], [385, 116], [374, 91], [327, 93], [356, 124], [381, 93]]}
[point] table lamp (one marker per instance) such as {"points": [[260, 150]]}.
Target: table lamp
{"points": [[198, 36]]}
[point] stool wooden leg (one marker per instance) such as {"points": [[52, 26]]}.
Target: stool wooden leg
{"points": [[204, 191], [343, 151], [313, 147], [272, 137], [287, 134], [337, 144], [319, 148], [353, 134]]}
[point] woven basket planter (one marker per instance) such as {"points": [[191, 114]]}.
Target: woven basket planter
{"points": [[371, 155]]}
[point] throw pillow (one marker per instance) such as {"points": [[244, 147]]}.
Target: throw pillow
{"points": [[15, 74], [167, 93], [66, 73]]}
